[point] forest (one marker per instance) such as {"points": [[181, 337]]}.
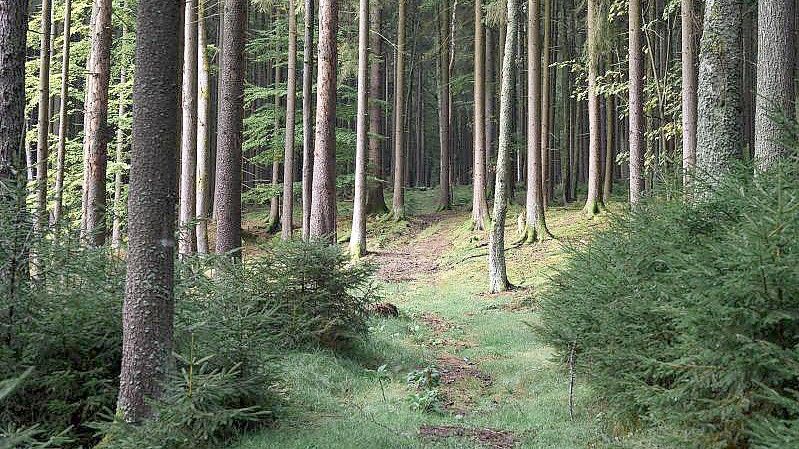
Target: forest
{"points": [[399, 224]]}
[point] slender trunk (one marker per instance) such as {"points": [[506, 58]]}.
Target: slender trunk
{"points": [[287, 225], [545, 103], [565, 102], [488, 92], [719, 90], [274, 202], [62, 115], [444, 109], [203, 192], [636, 104], [323, 203], [148, 312], [398, 201], [498, 278], [535, 227], [307, 125], [43, 129], [358, 235], [116, 226], [593, 203], [188, 145], [375, 201], [227, 193], [775, 78], [480, 218], [607, 177], [688, 89]]}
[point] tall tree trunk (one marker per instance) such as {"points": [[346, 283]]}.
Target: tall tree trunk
{"points": [[607, 177], [274, 202], [593, 203], [565, 102], [227, 194], [545, 103], [323, 203], [398, 201], [62, 115], [497, 274], [116, 226], [287, 225], [535, 226], [488, 93], [718, 133], [375, 201], [688, 89], [358, 235], [480, 218], [147, 316], [307, 117], [775, 78], [203, 193], [188, 145], [95, 125], [43, 132], [444, 109], [636, 104]]}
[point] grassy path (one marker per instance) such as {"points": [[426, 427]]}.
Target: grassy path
{"points": [[498, 388]]}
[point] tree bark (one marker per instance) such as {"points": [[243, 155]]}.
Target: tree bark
{"points": [[116, 226], [62, 115], [202, 193], [323, 203], [43, 128], [375, 201], [445, 195], [287, 225], [488, 93], [274, 202], [188, 145], [775, 78], [358, 235], [607, 177], [545, 103], [636, 104], [398, 201], [227, 203], [535, 227], [307, 126], [688, 90], [95, 126], [593, 203], [480, 218], [498, 278], [565, 102], [718, 130], [147, 316]]}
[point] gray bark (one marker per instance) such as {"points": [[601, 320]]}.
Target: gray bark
{"points": [[443, 109], [287, 225], [636, 104], [358, 235], [43, 128], [688, 89], [593, 202], [62, 115], [188, 145], [307, 125], [480, 218], [375, 202], [398, 200], [116, 226], [202, 209]]}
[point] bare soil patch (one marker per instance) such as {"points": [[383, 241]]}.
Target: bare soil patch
{"points": [[490, 438], [461, 383]]}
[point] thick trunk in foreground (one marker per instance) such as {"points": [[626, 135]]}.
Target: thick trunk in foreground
{"points": [[497, 274], [188, 145], [227, 195], [203, 193], [593, 202], [443, 110], [375, 201], [62, 116], [95, 123], [775, 78], [636, 104], [43, 129], [480, 218], [147, 316], [688, 89], [358, 235], [307, 119], [398, 201], [287, 225], [718, 133], [535, 226], [323, 203]]}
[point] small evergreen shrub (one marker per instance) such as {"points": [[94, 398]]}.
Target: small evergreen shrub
{"points": [[687, 313]]}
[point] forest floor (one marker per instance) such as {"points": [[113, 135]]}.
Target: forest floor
{"points": [[499, 386]]}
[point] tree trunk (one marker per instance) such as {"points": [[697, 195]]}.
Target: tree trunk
{"points": [[593, 203], [775, 78], [497, 274], [480, 218], [287, 225], [323, 203], [444, 40], [358, 235], [147, 317], [116, 226], [565, 102], [688, 90], [718, 133], [535, 226], [274, 202], [488, 93], [202, 193], [398, 201], [307, 113], [375, 201], [636, 104], [607, 177], [227, 194], [545, 104], [188, 145], [62, 115], [43, 129], [95, 125]]}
